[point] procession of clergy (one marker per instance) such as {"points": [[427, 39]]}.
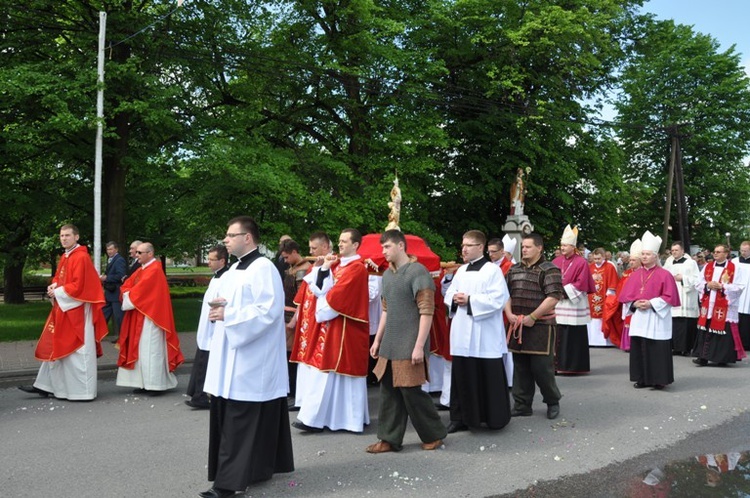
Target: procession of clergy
{"points": [[452, 333]]}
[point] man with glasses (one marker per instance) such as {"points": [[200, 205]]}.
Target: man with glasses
{"points": [[719, 291], [476, 297], [149, 346], [217, 262], [249, 436]]}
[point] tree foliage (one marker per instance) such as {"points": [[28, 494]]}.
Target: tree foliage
{"points": [[302, 112], [678, 81]]}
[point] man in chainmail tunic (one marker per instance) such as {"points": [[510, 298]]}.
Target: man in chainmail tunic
{"points": [[401, 345], [535, 287]]}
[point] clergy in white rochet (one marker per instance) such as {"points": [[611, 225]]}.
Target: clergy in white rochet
{"points": [[249, 434], [649, 296], [476, 298], [742, 263], [686, 274], [572, 312]]}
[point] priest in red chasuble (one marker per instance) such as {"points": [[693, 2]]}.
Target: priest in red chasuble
{"points": [[335, 394], [149, 346], [605, 278], [70, 340]]}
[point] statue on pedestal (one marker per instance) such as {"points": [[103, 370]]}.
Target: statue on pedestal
{"points": [[518, 193]]}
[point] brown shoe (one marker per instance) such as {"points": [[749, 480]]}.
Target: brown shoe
{"points": [[379, 447], [433, 445]]}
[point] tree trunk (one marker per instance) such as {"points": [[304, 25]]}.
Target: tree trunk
{"points": [[13, 282], [15, 251]]}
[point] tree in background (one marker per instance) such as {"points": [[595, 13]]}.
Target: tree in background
{"points": [[679, 77]]}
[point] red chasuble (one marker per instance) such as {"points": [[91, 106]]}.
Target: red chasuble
{"points": [[342, 345], [505, 265], [306, 325], [612, 322], [440, 339], [63, 331], [605, 278], [149, 293]]}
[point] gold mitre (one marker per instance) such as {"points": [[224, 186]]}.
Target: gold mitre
{"points": [[570, 236]]}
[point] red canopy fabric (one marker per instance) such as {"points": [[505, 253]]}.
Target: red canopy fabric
{"points": [[415, 246]]}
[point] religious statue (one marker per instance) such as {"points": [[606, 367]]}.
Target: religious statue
{"points": [[518, 193], [395, 215]]}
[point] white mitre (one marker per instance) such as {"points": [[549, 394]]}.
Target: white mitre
{"points": [[509, 244], [570, 236], [635, 248], [651, 242]]}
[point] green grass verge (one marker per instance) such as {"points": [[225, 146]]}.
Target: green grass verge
{"points": [[24, 322]]}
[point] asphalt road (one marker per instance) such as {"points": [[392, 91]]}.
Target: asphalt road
{"points": [[126, 445]]}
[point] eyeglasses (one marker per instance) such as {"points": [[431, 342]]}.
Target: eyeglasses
{"points": [[142, 252], [493, 252], [470, 245], [213, 259], [231, 235]]}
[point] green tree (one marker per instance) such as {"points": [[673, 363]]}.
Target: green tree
{"points": [[679, 77], [519, 74]]}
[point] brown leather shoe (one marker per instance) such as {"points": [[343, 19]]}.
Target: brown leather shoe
{"points": [[379, 447], [433, 445]]}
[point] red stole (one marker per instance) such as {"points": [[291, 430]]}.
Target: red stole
{"points": [[721, 303], [342, 345], [149, 293], [612, 322], [63, 333]]}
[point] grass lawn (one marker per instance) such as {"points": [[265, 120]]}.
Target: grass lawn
{"points": [[21, 322]]}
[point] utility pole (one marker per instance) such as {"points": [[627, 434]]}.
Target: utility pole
{"points": [[99, 138]]}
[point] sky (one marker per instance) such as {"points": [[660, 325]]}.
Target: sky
{"points": [[725, 20]]}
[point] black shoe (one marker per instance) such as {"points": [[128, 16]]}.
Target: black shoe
{"points": [[35, 390], [639, 385], [658, 387], [516, 412], [700, 362], [114, 340], [217, 493], [197, 406], [304, 427], [553, 411], [441, 407], [454, 427]]}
